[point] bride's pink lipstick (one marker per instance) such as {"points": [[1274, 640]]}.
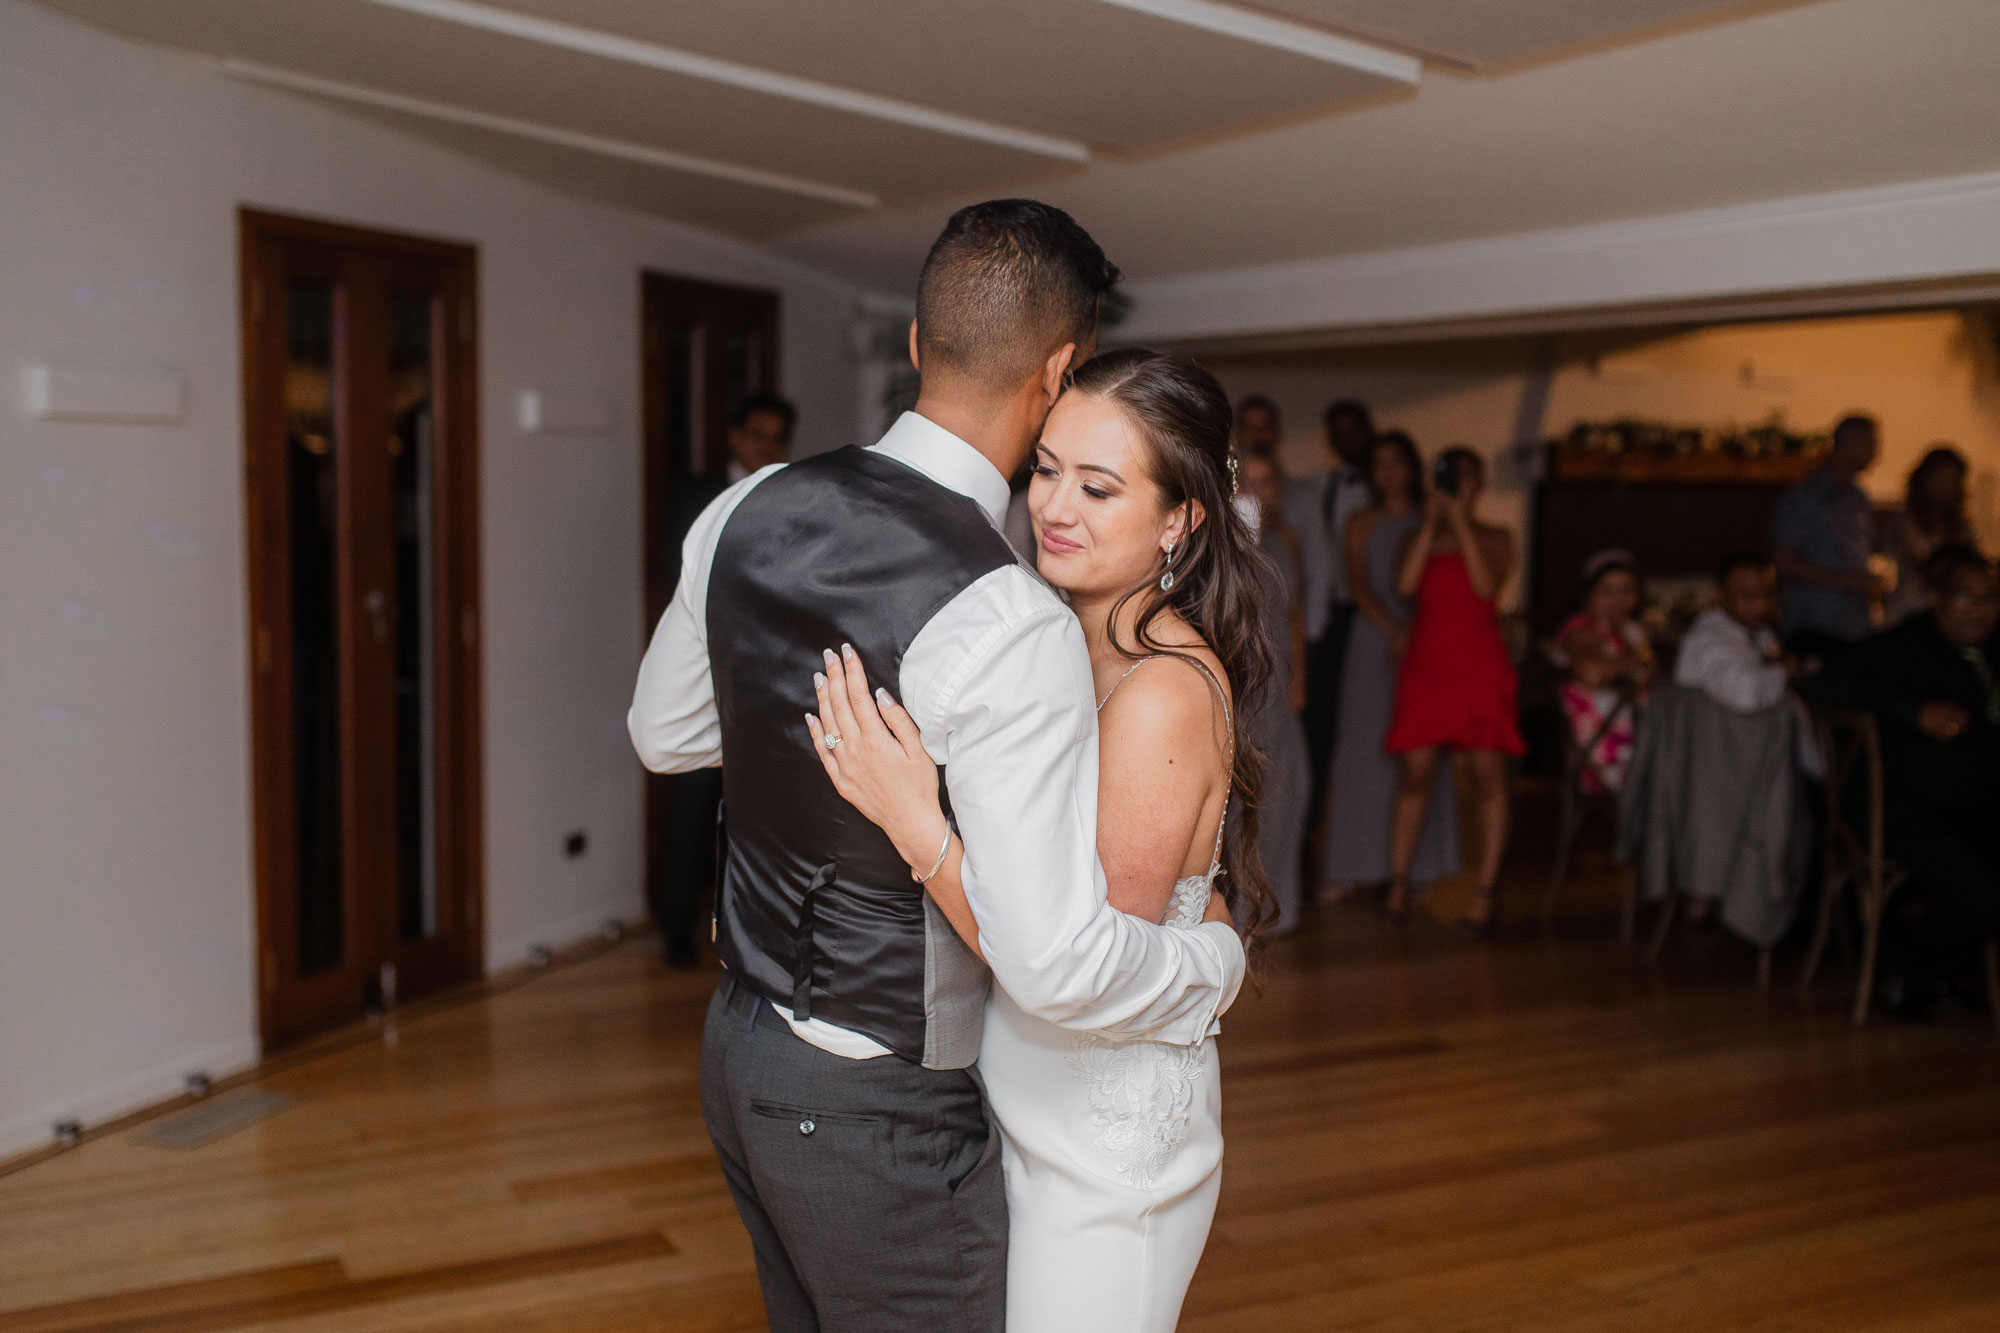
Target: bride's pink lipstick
{"points": [[1055, 545]]}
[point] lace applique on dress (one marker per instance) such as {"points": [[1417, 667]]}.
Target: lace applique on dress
{"points": [[1140, 1096], [1141, 1092]]}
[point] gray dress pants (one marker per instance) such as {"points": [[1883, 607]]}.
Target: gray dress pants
{"points": [[871, 1189]]}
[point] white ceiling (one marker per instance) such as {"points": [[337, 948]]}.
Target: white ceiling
{"points": [[1824, 96], [900, 101], [1188, 135], [1497, 32]]}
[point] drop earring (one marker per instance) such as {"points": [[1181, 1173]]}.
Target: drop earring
{"points": [[1167, 577]]}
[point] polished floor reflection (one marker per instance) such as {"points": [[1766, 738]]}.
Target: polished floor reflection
{"points": [[1425, 1133]]}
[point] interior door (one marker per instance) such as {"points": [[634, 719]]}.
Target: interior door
{"points": [[360, 464], [705, 348]]}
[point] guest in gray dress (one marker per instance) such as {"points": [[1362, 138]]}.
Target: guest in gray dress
{"points": [[1287, 782], [1364, 776]]}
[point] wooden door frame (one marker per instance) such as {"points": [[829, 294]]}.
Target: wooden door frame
{"points": [[660, 294], [460, 824]]}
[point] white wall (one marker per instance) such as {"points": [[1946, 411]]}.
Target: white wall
{"points": [[126, 929]]}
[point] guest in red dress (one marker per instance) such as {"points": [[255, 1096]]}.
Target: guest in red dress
{"points": [[1455, 688]]}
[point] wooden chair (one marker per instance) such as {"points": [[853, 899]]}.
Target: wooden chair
{"points": [[1853, 857], [1664, 923], [1669, 709], [1574, 803]]}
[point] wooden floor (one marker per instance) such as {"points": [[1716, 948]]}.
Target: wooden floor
{"points": [[1424, 1133]]}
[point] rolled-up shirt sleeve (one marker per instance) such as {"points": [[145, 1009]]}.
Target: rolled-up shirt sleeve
{"points": [[1016, 724]]}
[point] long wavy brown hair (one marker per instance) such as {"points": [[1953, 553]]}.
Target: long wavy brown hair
{"points": [[1944, 523], [1221, 578]]}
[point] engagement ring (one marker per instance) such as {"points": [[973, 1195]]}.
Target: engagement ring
{"points": [[832, 740]]}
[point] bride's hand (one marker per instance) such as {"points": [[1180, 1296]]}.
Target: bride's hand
{"points": [[880, 766]]}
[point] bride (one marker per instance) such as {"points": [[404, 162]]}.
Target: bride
{"points": [[1113, 1151]]}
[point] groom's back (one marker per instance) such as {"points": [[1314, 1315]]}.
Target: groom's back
{"points": [[816, 911]]}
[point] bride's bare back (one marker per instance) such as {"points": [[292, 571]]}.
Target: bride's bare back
{"points": [[1164, 740]]}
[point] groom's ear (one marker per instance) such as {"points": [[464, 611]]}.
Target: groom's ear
{"points": [[914, 363], [1055, 368]]}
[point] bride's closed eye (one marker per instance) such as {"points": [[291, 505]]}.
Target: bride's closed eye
{"points": [[1094, 492]]}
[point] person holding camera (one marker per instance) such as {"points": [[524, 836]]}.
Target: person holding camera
{"points": [[1456, 685]]}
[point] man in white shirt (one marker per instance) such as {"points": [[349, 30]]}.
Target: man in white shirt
{"points": [[1731, 651], [835, 1079]]}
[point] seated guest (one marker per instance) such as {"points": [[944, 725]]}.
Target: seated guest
{"points": [[1933, 683], [1731, 652], [1604, 649], [1822, 535]]}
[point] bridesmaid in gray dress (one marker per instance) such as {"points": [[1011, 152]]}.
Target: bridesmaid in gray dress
{"points": [[1363, 787], [1287, 781]]}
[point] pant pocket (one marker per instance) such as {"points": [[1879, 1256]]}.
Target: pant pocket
{"points": [[986, 1163], [809, 1120]]}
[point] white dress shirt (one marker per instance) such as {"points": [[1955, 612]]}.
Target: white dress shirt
{"points": [[1732, 664], [999, 682], [1725, 659]]}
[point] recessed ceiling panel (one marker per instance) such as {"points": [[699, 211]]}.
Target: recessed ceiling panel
{"points": [[1495, 32], [741, 210], [408, 55], [1114, 78]]}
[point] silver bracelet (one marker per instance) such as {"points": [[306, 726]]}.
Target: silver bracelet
{"points": [[937, 865]]}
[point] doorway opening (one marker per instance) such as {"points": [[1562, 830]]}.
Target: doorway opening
{"points": [[361, 484], [705, 349]]}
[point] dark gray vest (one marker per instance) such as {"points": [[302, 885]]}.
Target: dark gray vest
{"points": [[815, 910]]}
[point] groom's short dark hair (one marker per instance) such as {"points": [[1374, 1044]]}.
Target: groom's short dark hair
{"points": [[1006, 283]]}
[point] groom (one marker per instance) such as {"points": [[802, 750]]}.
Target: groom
{"points": [[836, 1074]]}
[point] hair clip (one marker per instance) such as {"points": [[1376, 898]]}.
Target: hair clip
{"points": [[1233, 483]]}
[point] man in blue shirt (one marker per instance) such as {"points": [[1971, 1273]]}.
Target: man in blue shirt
{"points": [[1823, 534]]}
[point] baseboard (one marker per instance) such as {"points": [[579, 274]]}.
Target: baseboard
{"points": [[33, 1129], [516, 950]]}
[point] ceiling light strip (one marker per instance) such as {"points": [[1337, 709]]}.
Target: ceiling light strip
{"points": [[549, 134], [1297, 38], [631, 50]]}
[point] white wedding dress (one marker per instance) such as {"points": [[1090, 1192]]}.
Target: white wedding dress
{"points": [[1113, 1157]]}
